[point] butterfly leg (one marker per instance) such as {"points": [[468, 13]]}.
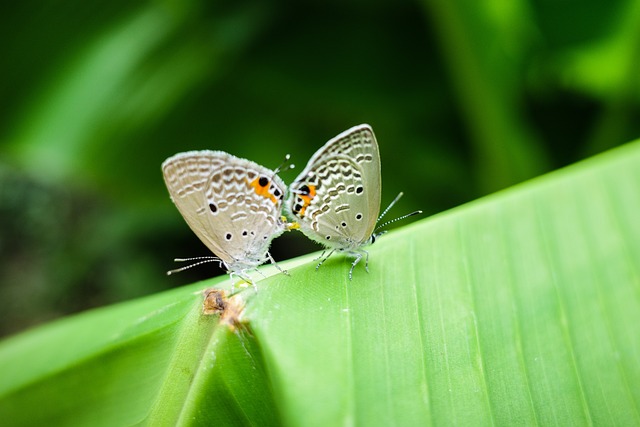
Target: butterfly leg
{"points": [[320, 257], [322, 260], [366, 260], [358, 256], [285, 272]]}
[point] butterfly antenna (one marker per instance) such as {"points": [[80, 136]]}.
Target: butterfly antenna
{"points": [[400, 194], [283, 164], [199, 261], [397, 219]]}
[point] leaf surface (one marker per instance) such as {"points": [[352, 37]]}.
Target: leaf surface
{"points": [[518, 309]]}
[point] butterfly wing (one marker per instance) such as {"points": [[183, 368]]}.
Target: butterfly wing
{"points": [[244, 203], [336, 198], [186, 175], [233, 205]]}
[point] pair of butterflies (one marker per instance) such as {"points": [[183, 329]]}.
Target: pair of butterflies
{"points": [[235, 206]]}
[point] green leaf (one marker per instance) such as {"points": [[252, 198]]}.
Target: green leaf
{"points": [[520, 308]]}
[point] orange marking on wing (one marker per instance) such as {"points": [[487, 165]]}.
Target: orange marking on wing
{"points": [[306, 199], [262, 191]]}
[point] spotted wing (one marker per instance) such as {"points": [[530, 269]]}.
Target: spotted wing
{"points": [[336, 198], [244, 205], [233, 205], [186, 175]]}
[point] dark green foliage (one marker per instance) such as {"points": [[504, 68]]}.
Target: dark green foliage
{"points": [[465, 97]]}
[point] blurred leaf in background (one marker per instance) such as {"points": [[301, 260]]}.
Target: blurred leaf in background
{"points": [[465, 98]]}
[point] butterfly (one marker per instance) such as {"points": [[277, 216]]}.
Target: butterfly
{"points": [[233, 205], [336, 198]]}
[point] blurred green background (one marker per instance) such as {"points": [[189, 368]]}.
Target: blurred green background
{"points": [[465, 97]]}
